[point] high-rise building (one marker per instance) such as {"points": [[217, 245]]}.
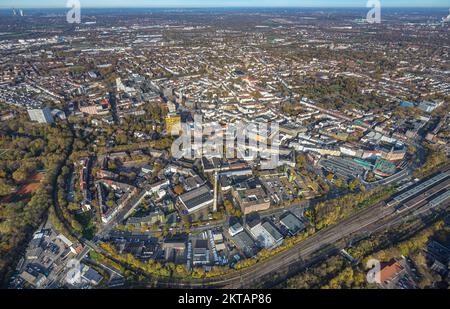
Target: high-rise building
{"points": [[42, 115]]}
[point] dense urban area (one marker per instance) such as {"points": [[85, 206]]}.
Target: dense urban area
{"points": [[92, 196]]}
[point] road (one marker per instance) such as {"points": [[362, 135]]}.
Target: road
{"points": [[323, 242], [315, 248], [328, 237], [134, 200], [369, 220]]}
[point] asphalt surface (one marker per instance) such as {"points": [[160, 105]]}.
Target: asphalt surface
{"points": [[316, 247], [327, 237], [368, 220]]}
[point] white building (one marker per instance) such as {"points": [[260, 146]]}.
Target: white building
{"points": [[267, 235], [43, 115]]}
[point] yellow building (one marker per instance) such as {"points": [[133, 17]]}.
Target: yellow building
{"points": [[173, 125]]}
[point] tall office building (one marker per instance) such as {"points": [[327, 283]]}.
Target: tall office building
{"points": [[42, 115]]}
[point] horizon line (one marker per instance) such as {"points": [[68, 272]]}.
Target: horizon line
{"points": [[222, 6]]}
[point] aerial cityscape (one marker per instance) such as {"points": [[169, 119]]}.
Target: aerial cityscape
{"points": [[228, 147]]}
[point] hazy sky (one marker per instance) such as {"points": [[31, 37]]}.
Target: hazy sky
{"points": [[220, 3]]}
